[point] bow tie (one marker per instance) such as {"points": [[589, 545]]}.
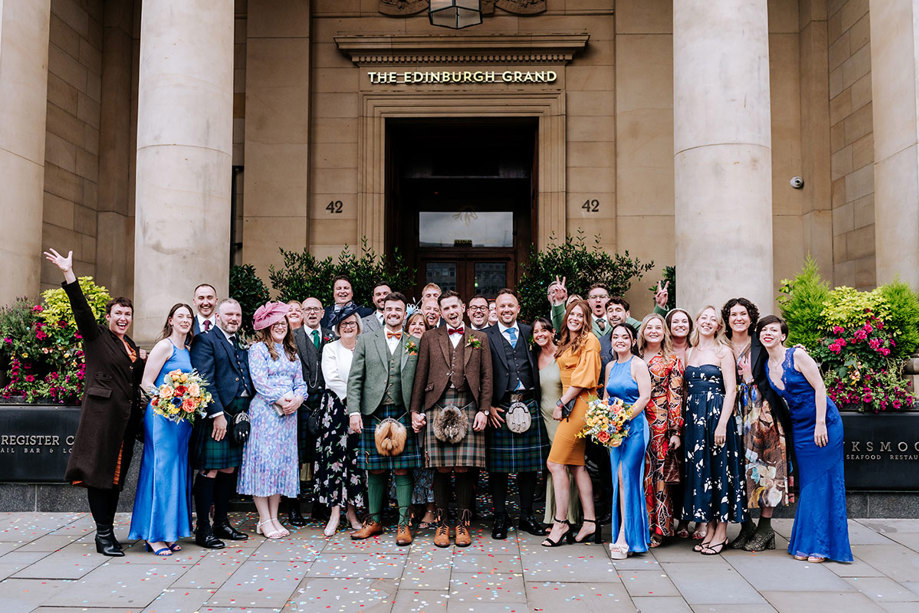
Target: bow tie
{"points": [[459, 330], [394, 334]]}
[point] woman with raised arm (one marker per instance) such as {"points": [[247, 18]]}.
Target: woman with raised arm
{"points": [[820, 530], [627, 379], [111, 407], [665, 419], [714, 490], [162, 505]]}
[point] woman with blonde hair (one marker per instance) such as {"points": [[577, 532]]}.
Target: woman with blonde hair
{"points": [[578, 357], [665, 419], [714, 491], [270, 465]]}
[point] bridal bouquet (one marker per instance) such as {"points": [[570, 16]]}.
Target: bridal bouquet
{"points": [[606, 423], [181, 396]]}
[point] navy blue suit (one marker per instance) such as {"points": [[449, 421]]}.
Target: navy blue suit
{"points": [[225, 369]]}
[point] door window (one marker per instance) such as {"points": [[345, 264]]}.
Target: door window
{"points": [[466, 228]]}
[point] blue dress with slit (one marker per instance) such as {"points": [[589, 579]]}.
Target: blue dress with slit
{"points": [[820, 527], [630, 458], [162, 505]]}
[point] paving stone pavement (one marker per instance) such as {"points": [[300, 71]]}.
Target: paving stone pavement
{"points": [[48, 563]]}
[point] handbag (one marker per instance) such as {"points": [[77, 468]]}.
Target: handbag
{"points": [[240, 428], [568, 407], [313, 421], [518, 418]]}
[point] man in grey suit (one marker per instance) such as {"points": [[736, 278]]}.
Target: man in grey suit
{"points": [[374, 321], [309, 338], [380, 388]]}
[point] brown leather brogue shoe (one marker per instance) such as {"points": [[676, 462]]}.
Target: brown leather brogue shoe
{"points": [[463, 538], [441, 530], [370, 528], [403, 535]]}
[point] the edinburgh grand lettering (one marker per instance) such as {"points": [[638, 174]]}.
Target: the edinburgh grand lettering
{"points": [[452, 77]]}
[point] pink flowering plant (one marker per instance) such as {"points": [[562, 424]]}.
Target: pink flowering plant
{"points": [[860, 339], [41, 349]]}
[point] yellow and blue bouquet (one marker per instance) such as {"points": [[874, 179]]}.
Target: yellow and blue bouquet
{"points": [[606, 423], [181, 396]]}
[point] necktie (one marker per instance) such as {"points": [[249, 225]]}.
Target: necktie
{"points": [[315, 334], [459, 330], [394, 334], [512, 335], [601, 323], [207, 325], [235, 342]]}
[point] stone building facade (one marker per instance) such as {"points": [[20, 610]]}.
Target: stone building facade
{"points": [[161, 140]]}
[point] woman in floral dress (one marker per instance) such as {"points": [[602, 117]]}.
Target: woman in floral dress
{"points": [[270, 466], [339, 481], [766, 458], [665, 418]]}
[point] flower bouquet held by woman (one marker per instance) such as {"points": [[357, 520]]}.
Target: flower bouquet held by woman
{"points": [[181, 396], [606, 423]]}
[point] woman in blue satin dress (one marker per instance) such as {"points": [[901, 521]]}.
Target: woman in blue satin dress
{"points": [[628, 379], [162, 505], [820, 530]]}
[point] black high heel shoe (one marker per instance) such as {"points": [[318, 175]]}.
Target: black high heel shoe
{"points": [[595, 534], [760, 541], [567, 536]]}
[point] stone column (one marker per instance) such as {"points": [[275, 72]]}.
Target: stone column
{"points": [[722, 152], [184, 155], [24, 27], [894, 79]]}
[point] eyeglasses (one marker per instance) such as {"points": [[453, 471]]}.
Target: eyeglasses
{"points": [[598, 297], [311, 309], [478, 308], [347, 324]]}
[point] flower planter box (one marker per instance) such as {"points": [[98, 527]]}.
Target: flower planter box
{"points": [[35, 442], [881, 451]]}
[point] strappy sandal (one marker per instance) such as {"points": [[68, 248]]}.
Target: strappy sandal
{"points": [[595, 534], [163, 552], [174, 546], [617, 552], [566, 536], [656, 540], [709, 550], [270, 532]]}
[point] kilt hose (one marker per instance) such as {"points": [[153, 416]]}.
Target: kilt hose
{"points": [[370, 459], [210, 454], [306, 443], [506, 452], [469, 452]]}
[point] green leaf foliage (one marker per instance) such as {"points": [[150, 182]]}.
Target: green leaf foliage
{"points": [[801, 302], [581, 265], [302, 275], [249, 290], [902, 317], [57, 305]]}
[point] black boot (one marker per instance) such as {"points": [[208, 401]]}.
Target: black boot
{"points": [[106, 544], [499, 529], [293, 512]]}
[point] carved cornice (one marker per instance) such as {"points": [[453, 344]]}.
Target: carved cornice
{"points": [[373, 50]]}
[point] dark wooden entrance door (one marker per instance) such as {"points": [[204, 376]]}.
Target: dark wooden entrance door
{"points": [[460, 197]]}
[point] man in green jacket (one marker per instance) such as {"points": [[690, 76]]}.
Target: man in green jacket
{"points": [[379, 389]]}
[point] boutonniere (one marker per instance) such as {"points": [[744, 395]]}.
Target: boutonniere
{"points": [[410, 347], [474, 343], [531, 343]]}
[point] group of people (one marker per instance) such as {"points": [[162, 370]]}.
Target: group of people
{"points": [[362, 405]]}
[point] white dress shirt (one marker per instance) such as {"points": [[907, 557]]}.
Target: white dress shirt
{"points": [[201, 320], [393, 342], [455, 338]]}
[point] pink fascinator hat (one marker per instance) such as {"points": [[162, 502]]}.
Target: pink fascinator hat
{"points": [[269, 314]]}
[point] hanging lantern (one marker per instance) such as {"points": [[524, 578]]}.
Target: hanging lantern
{"points": [[455, 14]]}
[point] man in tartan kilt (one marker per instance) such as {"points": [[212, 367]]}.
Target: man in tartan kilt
{"points": [[516, 381], [380, 388], [452, 391], [220, 359]]}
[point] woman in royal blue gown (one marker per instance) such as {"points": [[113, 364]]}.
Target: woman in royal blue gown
{"points": [[628, 379], [162, 505], [820, 530]]}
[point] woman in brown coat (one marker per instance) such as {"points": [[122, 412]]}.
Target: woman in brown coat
{"points": [[110, 415]]}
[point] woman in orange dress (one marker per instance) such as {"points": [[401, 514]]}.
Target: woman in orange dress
{"points": [[665, 418], [578, 357]]}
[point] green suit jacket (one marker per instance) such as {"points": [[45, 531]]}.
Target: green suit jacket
{"points": [[558, 314], [370, 370]]}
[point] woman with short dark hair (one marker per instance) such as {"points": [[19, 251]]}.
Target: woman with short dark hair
{"points": [[820, 530]]}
